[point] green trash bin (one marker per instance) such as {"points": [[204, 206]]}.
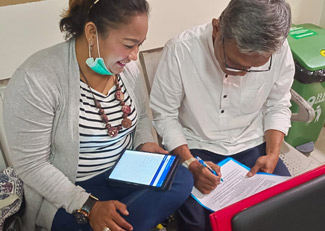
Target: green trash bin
{"points": [[307, 43]]}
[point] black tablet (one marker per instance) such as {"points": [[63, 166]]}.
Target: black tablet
{"points": [[145, 169]]}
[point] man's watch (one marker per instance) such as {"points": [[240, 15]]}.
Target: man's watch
{"points": [[188, 162], [82, 215]]}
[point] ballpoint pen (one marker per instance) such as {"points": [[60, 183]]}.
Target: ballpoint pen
{"points": [[207, 166]]}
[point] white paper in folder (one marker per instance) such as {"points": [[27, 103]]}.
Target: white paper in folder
{"points": [[236, 185]]}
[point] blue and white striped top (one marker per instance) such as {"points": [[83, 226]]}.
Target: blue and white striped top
{"points": [[99, 151]]}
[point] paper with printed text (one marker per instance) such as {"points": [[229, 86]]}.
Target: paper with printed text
{"points": [[236, 186]]}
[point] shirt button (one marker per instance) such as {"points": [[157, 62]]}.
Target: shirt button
{"points": [[225, 96], [222, 111]]}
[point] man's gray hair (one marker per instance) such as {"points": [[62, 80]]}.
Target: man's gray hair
{"points": [[256, 25]]}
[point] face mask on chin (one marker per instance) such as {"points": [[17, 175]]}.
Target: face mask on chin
{"points": [[97, 65]]}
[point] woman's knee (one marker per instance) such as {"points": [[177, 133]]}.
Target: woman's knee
{"points": [[183, 182]]}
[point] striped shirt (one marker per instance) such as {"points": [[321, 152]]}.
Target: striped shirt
{"points": [[99, 151]]}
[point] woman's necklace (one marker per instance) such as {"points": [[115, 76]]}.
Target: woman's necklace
{"points": [[112, 131]]}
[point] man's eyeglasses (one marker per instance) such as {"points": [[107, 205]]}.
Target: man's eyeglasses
{"points": [[234, 69]]}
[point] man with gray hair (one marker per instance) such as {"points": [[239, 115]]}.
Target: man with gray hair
{"points": [[222, 89]]}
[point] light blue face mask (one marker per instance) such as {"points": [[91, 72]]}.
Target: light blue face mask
{"points": [[98, 64]]}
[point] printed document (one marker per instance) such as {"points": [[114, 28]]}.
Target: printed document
{"points": [[236, 185]]}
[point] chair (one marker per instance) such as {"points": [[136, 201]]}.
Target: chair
{"points": [[296, 162], [149, 60], [297, 204], [11, 190], [4, 148]]}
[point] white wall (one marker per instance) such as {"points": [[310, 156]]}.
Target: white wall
{"points": [[169, 17], [26, 28], [309, 11], [322, 20]]}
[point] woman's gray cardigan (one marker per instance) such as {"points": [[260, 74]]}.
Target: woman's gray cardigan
{"points": [[41, 117]]}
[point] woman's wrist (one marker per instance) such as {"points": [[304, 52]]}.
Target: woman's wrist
{"points": [[82, 215]]}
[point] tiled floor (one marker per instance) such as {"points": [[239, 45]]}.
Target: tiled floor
{"points": [[298, 162]]}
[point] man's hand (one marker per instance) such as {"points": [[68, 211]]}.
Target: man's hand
{"points": [[273, 139], [107, 214], [204, 180], [264, 164]]}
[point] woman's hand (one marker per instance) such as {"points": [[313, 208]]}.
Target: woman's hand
{"points": [[151, 147], [107, 214]]}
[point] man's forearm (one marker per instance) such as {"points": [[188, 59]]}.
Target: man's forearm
{"points": [[273, 139], [183, 152]]}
